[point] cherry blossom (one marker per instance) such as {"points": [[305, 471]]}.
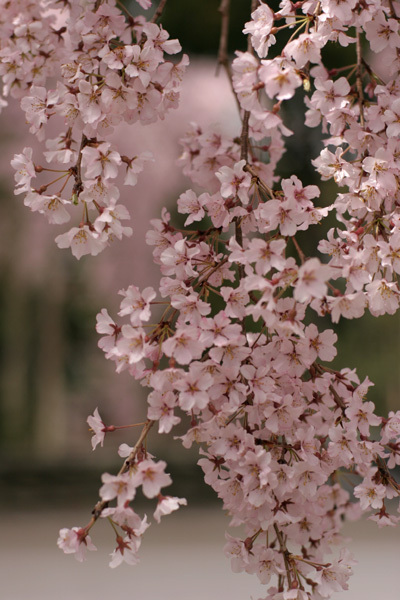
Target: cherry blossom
{"points": [[99, 429], [166, 505], [151, 477], [75, 541]]}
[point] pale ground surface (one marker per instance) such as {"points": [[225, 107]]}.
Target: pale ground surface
{"points": [[181, 559]]}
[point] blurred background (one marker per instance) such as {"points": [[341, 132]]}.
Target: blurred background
{"points": [[52, 375]]}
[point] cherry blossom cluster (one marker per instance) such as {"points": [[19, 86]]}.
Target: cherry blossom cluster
{"points": [[109, 69], [278, 430], [139, 471], [360, 113], [224, 345]]}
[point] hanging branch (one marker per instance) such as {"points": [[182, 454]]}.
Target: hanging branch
{"points": [[360, 92], [99, 507], [223, 58], [158, 12]]}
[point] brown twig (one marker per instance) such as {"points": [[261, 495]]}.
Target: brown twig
{"points": [[338, 400], [259, 181], [360, 92], [299, 250], [244, 137], [392, 10], [77, 171], [223, 58], [285, 552], [244, 151], [102, 504], [223, 40], [159, 11]]}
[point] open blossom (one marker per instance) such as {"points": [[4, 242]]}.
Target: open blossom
{"points": [[161, 409], [25, 170], [383, 297], [151, 476], [191, 204], [106, 325], [53, 207], [184, 346], [75, 541], [320, 344], [280, 79], [126, 551], [36, 106], [330, 94], [100, 161], [260, 29], [136, 304], [311, 282], [306, 48], [193, 389], [122, 487], [370, 494], [97, 426], [82, 240], [166, 505], [234, 182], [109, 222]]}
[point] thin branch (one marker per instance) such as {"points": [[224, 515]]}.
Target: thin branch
{"points": [[392, 10], [77, 172], [360, 92], [371, 73], [244, 151], [299, 250], [159, 11], [128, 462], [259, 181], [223, 40], [244, 137], [285, 552], [223, 58], [102, 504], [337, 399]]}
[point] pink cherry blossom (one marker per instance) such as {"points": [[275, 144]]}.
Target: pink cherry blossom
{"points": [[82, 240], [311, 281], [280, 79], [136, 304], [260, 29], [99, 429], [151, 477], [370, 494], [234, 182], [126, 551], [75, 541], [25, 170], [166, 505]]}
